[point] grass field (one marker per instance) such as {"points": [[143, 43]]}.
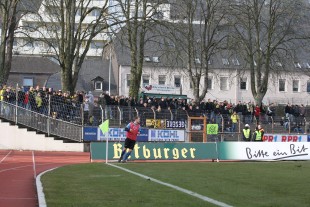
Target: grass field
{"points": [[237, 184]]}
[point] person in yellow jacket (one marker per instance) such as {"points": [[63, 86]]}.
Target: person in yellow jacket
{"points": [[2, 89], [258, 134], [39, 103], [246, 133], [234, 121]]}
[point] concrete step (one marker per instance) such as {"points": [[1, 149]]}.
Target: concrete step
{"points": [[15, 138]]}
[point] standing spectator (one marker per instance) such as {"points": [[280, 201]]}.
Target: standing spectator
{"points": [[39, 103], [234, 121], [258, 134], [246, 133], [91, 101], [302, 111], [270, 112], [257, 112]]}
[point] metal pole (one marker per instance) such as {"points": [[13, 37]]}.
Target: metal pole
{"points": [[16, 103], [110, 68], [49, 116], [82, 117]]}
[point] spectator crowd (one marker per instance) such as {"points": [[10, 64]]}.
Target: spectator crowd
{"points": [[82, 107]]}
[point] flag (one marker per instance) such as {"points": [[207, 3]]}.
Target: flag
{"points": [[104, 127]]}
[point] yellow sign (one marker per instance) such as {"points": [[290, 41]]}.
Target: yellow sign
{"points": [[212, 129], [156, 123]]}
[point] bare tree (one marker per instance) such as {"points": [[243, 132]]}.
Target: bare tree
{"points": [[199, 36], [140, 16], [9, 20], [265, 34], [68, 28]]}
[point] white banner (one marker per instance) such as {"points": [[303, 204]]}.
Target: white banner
{"points": [[265, 151], [284, 138], [161, 89], [166, 135]]}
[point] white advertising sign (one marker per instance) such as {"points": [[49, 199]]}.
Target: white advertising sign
{"points": [[166, 135], [265, 151]]}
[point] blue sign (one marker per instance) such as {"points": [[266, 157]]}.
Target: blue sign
{"points": [[119, 134], [308, 138], [90, 133]]}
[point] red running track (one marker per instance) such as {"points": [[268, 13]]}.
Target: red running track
{"points": [[18, 170]]}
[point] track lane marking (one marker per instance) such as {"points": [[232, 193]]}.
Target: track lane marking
{"points": [[34, 166], [5, 156]]}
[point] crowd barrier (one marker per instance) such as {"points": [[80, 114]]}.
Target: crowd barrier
{"points": [[245, 151]]}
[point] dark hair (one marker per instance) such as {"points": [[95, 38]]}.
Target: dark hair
{"points": [[136, 117]]}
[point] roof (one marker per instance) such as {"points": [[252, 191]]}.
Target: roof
{"points": [[162, 52], [92, 68], [32, 64]]}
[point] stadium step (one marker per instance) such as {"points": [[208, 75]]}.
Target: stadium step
{"points": [[19, 138]]}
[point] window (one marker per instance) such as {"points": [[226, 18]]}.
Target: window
{"points": [[197, 61], [210, 83], [161, 80], [158, 15], [145, 80], [156, 59], [282, 83], [28, 82], [128, 79], [225, 61], [295, 85], [96, 12], [279, 64], [235, 61], [297, 65], [223, 83], [306, 65], [98, 85], [96, 45], [243, 83], [147, 59], [308, 86], [177, 81], [78, 12]]}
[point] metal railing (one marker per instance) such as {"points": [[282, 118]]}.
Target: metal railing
{"points": [[50, 120]]}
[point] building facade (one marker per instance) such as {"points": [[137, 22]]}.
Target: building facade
{"points": [[231, 83]]}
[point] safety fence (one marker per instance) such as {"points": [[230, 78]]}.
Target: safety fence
{"points": [[49, 124], [61, 115]]}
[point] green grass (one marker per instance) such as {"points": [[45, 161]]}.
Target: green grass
{"points": [[238, 184]]}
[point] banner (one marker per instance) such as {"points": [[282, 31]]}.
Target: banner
{"points": [[156, 123], [166, 135], [119, 134], [264, 151], [90, 134], [175, 124], [285, 138], [156, 151], [245, 151], [212, 129], [161, 89]]}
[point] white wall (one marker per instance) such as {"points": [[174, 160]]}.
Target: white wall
{"points": [[14, 138], [233, 92]]}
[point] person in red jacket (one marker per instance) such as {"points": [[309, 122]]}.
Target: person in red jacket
{"points": [[257, 113], [133, 130]]}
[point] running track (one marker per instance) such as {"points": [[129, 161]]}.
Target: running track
{"points": [[18, 170]]}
